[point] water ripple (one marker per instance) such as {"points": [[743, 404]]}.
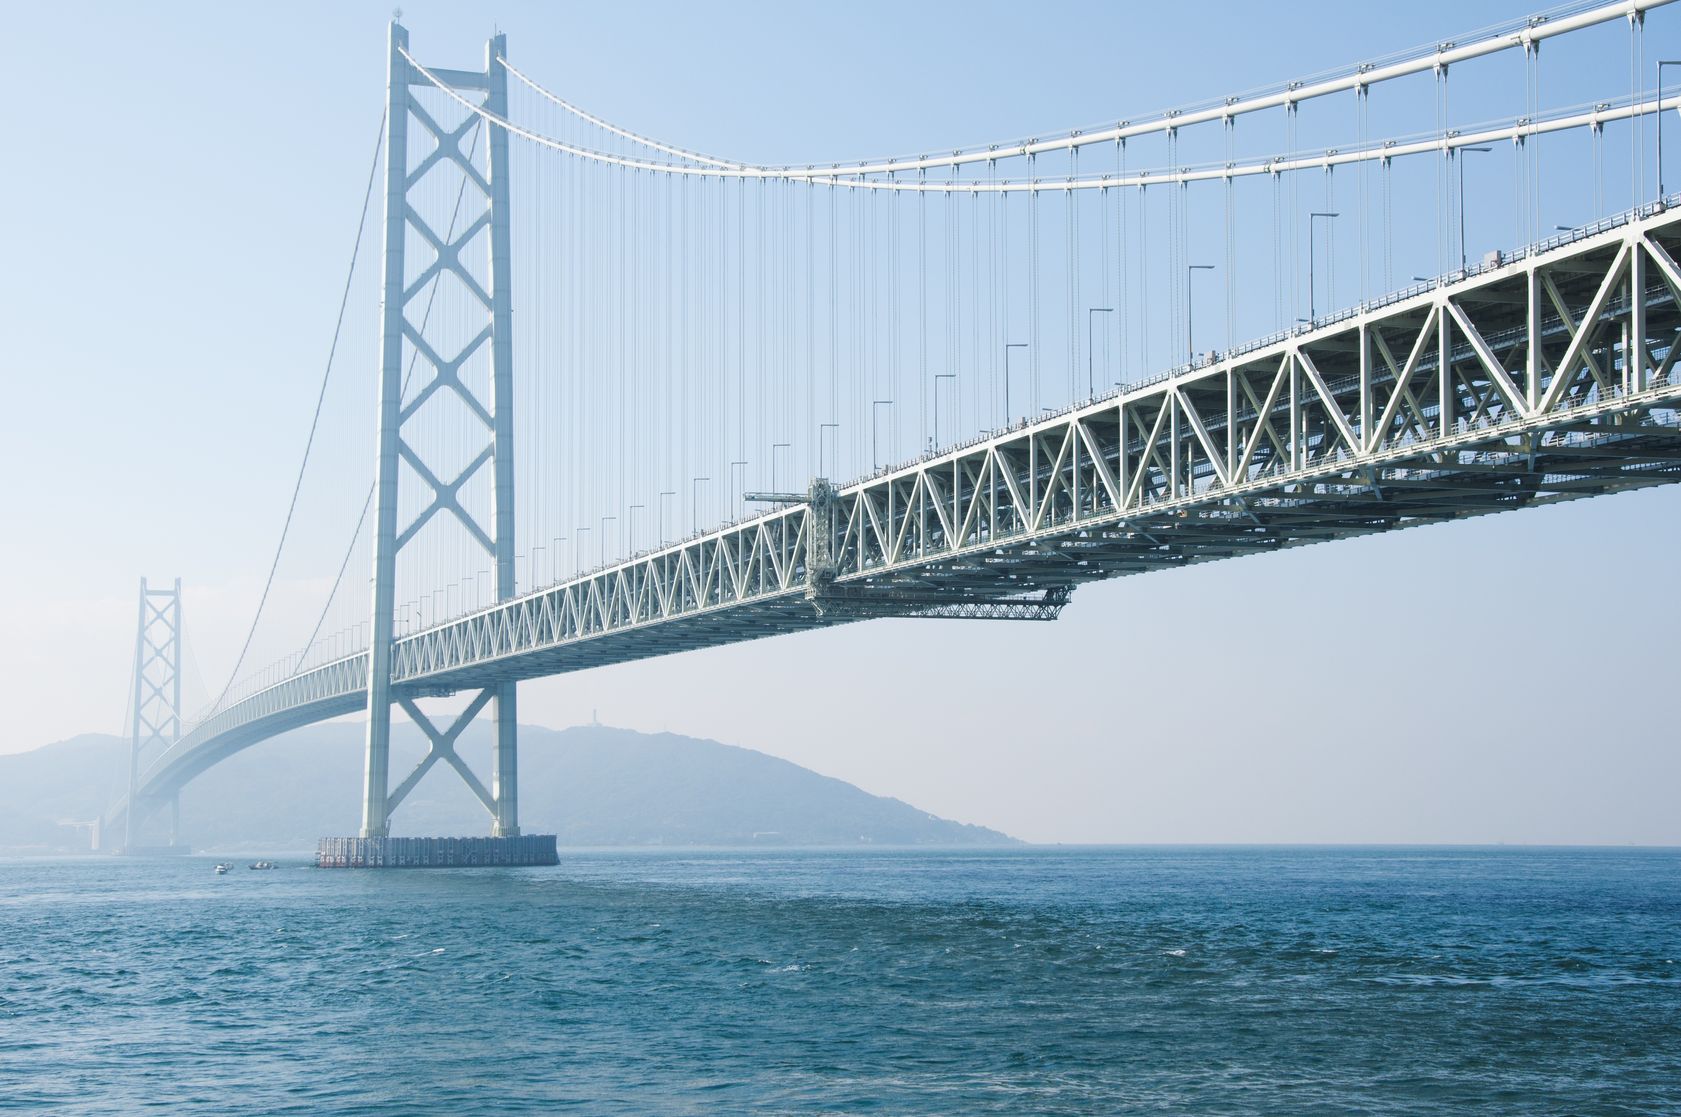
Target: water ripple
{"points": [[1044, 982]]}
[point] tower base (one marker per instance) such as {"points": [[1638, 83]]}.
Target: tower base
{"points": [[435, 853]]}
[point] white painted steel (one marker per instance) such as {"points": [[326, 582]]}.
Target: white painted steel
{"points": [[1353, 426]]}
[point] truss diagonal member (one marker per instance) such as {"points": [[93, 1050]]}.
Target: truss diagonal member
{"points": [[1263, 426], [1263, 418], [1150, 450], [1332, 408], [1565, 376], [1589, 361], [1403, 378], [1661, 370], [1216, 459], [1094, 454], [1053, 480], [1491, 364], [1005, 470], [1666, 264]]}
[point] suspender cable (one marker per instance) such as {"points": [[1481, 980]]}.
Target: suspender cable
{"points": [[1033, 292]]}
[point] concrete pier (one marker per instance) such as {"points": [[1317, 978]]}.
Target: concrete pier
{"points": [[435, 853]]}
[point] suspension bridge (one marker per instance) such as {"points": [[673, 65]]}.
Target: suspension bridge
{"points": [[996, 344]]}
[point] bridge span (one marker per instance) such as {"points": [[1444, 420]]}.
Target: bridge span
{"points": [[1545, 378], [693, 328]]}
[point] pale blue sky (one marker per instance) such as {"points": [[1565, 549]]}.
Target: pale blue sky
{"points": [[182, 186]]}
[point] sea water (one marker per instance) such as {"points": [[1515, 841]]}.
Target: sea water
{"points": [[1023, 981]]}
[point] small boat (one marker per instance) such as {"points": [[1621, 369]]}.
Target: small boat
{"points": [[262, 865], [220, 869]]}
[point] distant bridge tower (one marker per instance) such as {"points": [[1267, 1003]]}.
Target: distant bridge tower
{"points": [[404, 347], [157, 690]]}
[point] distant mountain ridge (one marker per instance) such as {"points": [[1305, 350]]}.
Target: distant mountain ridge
{"points": [[590, 785]]}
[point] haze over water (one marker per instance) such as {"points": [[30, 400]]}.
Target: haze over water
{"points": [[1020, 981]]}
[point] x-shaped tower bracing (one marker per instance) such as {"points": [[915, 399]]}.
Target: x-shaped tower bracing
{"points": [[406, 351]]}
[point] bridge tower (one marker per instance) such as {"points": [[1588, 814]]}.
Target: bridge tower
{"points": [[156, 700], [406, 354]]}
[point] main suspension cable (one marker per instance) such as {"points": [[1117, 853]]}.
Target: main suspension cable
{"points": [[315, 421], [1554, 22], [852, 177]]}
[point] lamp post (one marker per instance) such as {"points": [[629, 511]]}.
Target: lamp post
{"points": [[1091, 312], [1190, 349], [737, 489], [1661, 64], [1459, 156], [1312, 307], [875, 412], [774, 447], [939, 376], [821, 427], [1007, 347], [694, 503]]}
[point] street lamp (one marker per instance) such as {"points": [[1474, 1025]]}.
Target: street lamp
{"points": [[664, 534], [774, 447], [694, 503], [1312, 310], [738, 489], [1459, 156], [1190, 350], [821, 427], [939, 376], [1091, 384], [1007, 347], [875, 412], [1661, 64]]}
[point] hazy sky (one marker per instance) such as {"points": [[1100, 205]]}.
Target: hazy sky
{"points": [[182, 183]]}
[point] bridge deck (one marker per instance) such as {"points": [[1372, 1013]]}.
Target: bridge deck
{"points": [[1552, 377]]}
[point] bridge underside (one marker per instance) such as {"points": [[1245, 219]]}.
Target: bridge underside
{"points": [[1549, 378]]}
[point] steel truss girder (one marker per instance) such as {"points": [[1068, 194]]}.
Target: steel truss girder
{"points": [[1497, 392]]}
